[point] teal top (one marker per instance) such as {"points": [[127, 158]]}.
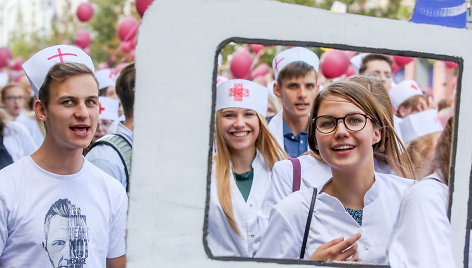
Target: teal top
{"points": [[356, 214], [244, 182]]}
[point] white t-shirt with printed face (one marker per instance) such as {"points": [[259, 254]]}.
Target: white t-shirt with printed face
{"points": [[44, 215]]}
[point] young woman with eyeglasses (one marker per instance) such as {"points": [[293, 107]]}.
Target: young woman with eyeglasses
{"points": [[355, 210]]}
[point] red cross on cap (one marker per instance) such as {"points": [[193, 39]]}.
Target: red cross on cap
{"points": [[100, 109], [60, 54], [277, 63], [414, 87], [238, 92]]}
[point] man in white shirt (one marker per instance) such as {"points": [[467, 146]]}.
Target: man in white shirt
{"points": [[57, 180]]}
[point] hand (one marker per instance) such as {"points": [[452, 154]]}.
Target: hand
{"points": [[338, 249]]}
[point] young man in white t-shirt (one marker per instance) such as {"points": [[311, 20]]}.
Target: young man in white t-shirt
{"points": [[56, 208]]}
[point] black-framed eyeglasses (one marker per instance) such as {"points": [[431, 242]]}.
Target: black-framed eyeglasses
{"points": [[326, 123]]}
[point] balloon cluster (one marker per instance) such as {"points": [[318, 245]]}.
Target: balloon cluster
{"points": [[243, 64]]}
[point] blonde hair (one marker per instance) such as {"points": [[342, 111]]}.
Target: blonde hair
{"points": [[267, 146], [421, 151], [389, 149]]}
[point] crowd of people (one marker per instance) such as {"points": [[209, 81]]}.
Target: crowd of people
{"points": [[345, 170], [349, 170]]}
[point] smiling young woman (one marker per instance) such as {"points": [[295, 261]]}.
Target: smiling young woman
{"points": [[245, 154], [355, 210]]}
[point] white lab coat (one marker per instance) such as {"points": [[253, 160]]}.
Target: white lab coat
{"points": [[222, 239], [422, 236], [313, 174], [284, 235], [276, 127]]}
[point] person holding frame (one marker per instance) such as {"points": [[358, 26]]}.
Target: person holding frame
{"points": [[353, 213]]}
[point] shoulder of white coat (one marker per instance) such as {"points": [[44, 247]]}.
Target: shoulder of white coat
{"points": [[309, 163], [295, 204], [393, 182], [427, 190]]}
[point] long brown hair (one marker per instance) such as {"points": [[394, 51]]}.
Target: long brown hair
{"points": [[267, 146], [389, 149], [442, 156]]}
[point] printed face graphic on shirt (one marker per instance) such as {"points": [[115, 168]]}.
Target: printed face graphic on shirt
{"points": [[66, 235]]}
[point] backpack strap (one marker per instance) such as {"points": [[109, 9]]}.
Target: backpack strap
{"points": [[308, 222], [122, 147], [296, 174], [5, 157]]}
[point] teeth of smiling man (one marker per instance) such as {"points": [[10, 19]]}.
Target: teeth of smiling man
{"points": [[343, 147], [240, 134]]}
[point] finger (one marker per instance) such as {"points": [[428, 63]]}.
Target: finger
{"points": [[348, 253], [340, 247], [331, 243]]}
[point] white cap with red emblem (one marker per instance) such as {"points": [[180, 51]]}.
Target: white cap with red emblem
{"points": [[292, 55], [104, 78], [403, 91], [37, 67], [108, 108], [420, 124], [239, 93]]}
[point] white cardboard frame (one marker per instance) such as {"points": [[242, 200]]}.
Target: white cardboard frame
{"points": [[176, 61]]}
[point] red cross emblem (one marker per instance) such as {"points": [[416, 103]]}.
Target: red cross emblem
{"points": [[238, 92], [277, 63], [60, 54], [100, 108], [414, 87]]}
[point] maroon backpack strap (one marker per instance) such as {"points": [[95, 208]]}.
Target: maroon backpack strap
{"points": [[297, 174]]}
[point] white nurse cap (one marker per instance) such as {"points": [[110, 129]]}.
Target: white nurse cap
{"points": [[104, 78], [403, 91], [37, 67], [239, 93], [420, 124], [292, 55], [108, 108]]}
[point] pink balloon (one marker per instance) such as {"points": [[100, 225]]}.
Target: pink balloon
{"points": [[241, 64], [260, 80], [133, 43], [127, 28], [16, 64], [103, 65], [350, 71], [256, 47], [5, 56], [450, 64], [82, 38], [334, 63], [142, 5], [260, 70], [349, 53], [85, 12], [126, 46], [132, 54], [402, 61]]}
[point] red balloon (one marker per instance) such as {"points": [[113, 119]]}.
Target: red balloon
{"points": [[260, 70], [5, 56], [127, 28], [349, 53], [126, 46], [395, 67], [241, 64], [350, 71], [142, 5], [256, 47], [85, 12], [402, 61], [334, 63], [450, 64], [16, 64], [82, 38]]}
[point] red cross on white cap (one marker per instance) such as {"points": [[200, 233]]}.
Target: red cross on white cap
{"points": [[104, 78], [403, 91], [292, 55], [108, 108], [240, 93], [37, 67]]}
